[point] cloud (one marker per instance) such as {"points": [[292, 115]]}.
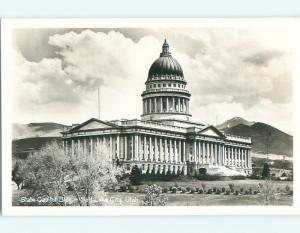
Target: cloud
{"points": [[263, 58], [226, 77]]}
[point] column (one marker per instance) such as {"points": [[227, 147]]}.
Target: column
{"points": [[150, 105], [170, 150], [167, 98], [145, 148], [160, 150], [231, 156], [240, 163], [199, 151], [179, 103], [78, 147], [125, 147], [150, 149], [194, 151], [72, 144], [187, 106], [136, 147], [155, 105], [155, 149], [132, 148], [140, 147], [161, 104], [91, 147], [216, 154], [184, 152], [203, 152], [173, 102], [179, 151], [207, 152], [212, 153], [84, 147], [175, 151], [166, 150]]}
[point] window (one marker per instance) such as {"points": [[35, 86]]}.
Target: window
{"points": [[164, 85], [154, 85], [169, 84], [174, 84], [158, 85]]}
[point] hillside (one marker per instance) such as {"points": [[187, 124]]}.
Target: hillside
{"points": [[21, 147], [279, 142], [32, 130], [234, 122]]}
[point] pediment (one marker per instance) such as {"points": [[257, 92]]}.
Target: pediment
{"points": [[93, 124], [211, 131]]}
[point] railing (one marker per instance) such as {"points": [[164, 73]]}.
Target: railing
{"points": [[238, 138], [166, 90], [153, 125]]}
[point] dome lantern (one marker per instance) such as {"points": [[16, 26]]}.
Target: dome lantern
{"points": [[165, 49]]}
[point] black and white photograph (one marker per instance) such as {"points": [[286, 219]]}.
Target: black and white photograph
{"points": [[171, 114]]}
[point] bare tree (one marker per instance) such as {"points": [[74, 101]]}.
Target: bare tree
{"points": [[55, 173], [91, 173], [46, 171], [267, 190]]}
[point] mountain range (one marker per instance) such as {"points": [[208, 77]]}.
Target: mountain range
{"points": [[265, 138]]}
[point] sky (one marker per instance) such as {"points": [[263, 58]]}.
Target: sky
{"points": [[230, 73]]}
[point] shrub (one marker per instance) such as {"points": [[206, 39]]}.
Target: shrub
{"points": [[188, 189], [200, 191], [236, 192], [241, 190], [209, 191], [231, 187], [238, 177], [174, 190], [130, 188], [165, 190], [193, 190], [255, 192], [203, 185], [227, 192], [183, 190], [136, 175], [290, 192], [214, 189], [153, 196], [218, 191], [246, 192], [287, 188], [250, 191], [223, 190]]}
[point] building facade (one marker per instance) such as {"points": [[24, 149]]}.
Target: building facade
{"points": [[165, 139]]}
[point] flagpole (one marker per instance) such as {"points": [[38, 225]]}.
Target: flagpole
{"points": [[98, 103]]}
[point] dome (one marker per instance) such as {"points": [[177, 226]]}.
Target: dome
{"points": [[165, 64]]}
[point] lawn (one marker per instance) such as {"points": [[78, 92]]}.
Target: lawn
{"points": [[280, 197]]}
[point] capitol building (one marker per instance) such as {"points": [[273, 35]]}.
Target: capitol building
{"points": [[164, 139]]}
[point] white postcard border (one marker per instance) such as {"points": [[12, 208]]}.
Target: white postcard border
{"points": [[7, 25]]}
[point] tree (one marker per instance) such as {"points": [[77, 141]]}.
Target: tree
{"points": [[18, 174], [91, 174], [46, 172], [136, 175], [53, 172], [267, 190], [266, 170], [154, 196]]}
